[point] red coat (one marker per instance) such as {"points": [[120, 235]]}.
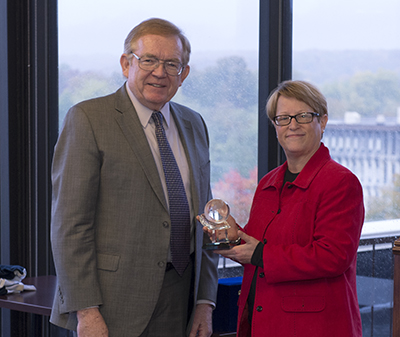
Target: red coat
{"points": [[312, 230]]}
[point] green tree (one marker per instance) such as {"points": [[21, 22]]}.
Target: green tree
{"points": [[76, 86], [226, 96], [229, 83], [368, 93]]}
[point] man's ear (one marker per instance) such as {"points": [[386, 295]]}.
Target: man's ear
{"points": [[124, 61], [185, 73]]}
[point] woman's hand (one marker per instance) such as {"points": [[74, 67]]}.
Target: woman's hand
{"points": [[243, 252]]}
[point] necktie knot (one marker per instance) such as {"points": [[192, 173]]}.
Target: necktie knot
{"points": [[157, 117]]}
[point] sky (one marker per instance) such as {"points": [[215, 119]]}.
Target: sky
{"points": [[346, 24], [221, 22], [92, 32], [88, 27]]}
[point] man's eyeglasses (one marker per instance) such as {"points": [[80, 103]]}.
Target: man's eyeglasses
{"points": [[150, 63], [301, 118]]}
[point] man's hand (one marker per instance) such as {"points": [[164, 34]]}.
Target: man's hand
{"points": [[220, 234], [243, 252], [91, 323], [202, 323]]}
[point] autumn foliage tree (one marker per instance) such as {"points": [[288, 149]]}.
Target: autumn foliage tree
{"points": [[238, 192]]}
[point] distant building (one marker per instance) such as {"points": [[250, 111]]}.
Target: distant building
{"points": [[370, 148]]}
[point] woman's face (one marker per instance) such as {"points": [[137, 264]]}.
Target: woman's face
{"points": [[299, 141]]}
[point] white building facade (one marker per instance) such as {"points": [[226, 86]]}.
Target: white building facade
{"points": [[371, 150]]}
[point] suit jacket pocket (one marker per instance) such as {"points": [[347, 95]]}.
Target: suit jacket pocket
{"points": [[303, 303], [107, 262]]}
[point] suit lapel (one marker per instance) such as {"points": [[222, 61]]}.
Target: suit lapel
{"points": [[187, 138], [133, 131]]}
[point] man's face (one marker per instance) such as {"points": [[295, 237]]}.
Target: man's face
{"points": [[154, 88]]}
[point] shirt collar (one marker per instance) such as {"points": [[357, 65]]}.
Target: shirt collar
{"points": [[144, 113]]}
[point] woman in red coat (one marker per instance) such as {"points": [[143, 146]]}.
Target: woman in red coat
{"points": [[299, 247]]}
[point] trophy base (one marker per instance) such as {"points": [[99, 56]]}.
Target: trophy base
{"points": [[217, 245]]}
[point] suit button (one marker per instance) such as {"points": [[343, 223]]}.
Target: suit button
{"points": [[165, 224], [259, 308], [265, 241], [261, 275], [161, 264]]}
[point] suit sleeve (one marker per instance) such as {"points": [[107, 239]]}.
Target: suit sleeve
{"points": [[208, 278], [75, 178], [208, 284]]}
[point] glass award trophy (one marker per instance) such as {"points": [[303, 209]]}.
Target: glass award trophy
{"points": [[216, 213]]}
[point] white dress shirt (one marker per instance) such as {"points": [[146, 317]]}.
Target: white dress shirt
{"points": [[175, 143]]}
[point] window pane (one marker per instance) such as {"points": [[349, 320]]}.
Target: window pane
{"points": [[350, 50], [222, 85]]}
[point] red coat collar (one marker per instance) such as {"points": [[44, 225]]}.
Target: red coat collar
{"points": [[307, 174]]}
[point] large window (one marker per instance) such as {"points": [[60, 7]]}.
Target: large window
{"points": [[351, 51], [222, 85]]}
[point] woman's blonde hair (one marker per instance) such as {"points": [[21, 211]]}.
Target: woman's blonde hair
{"points": [[300, 90]]}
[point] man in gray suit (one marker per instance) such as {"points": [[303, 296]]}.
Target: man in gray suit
{"points": [[111, 226]]}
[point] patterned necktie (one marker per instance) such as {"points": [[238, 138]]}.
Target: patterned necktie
{"points": [[178, 204]]}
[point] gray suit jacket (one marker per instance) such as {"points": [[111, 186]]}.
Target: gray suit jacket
{"points": [[109, 230]]}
